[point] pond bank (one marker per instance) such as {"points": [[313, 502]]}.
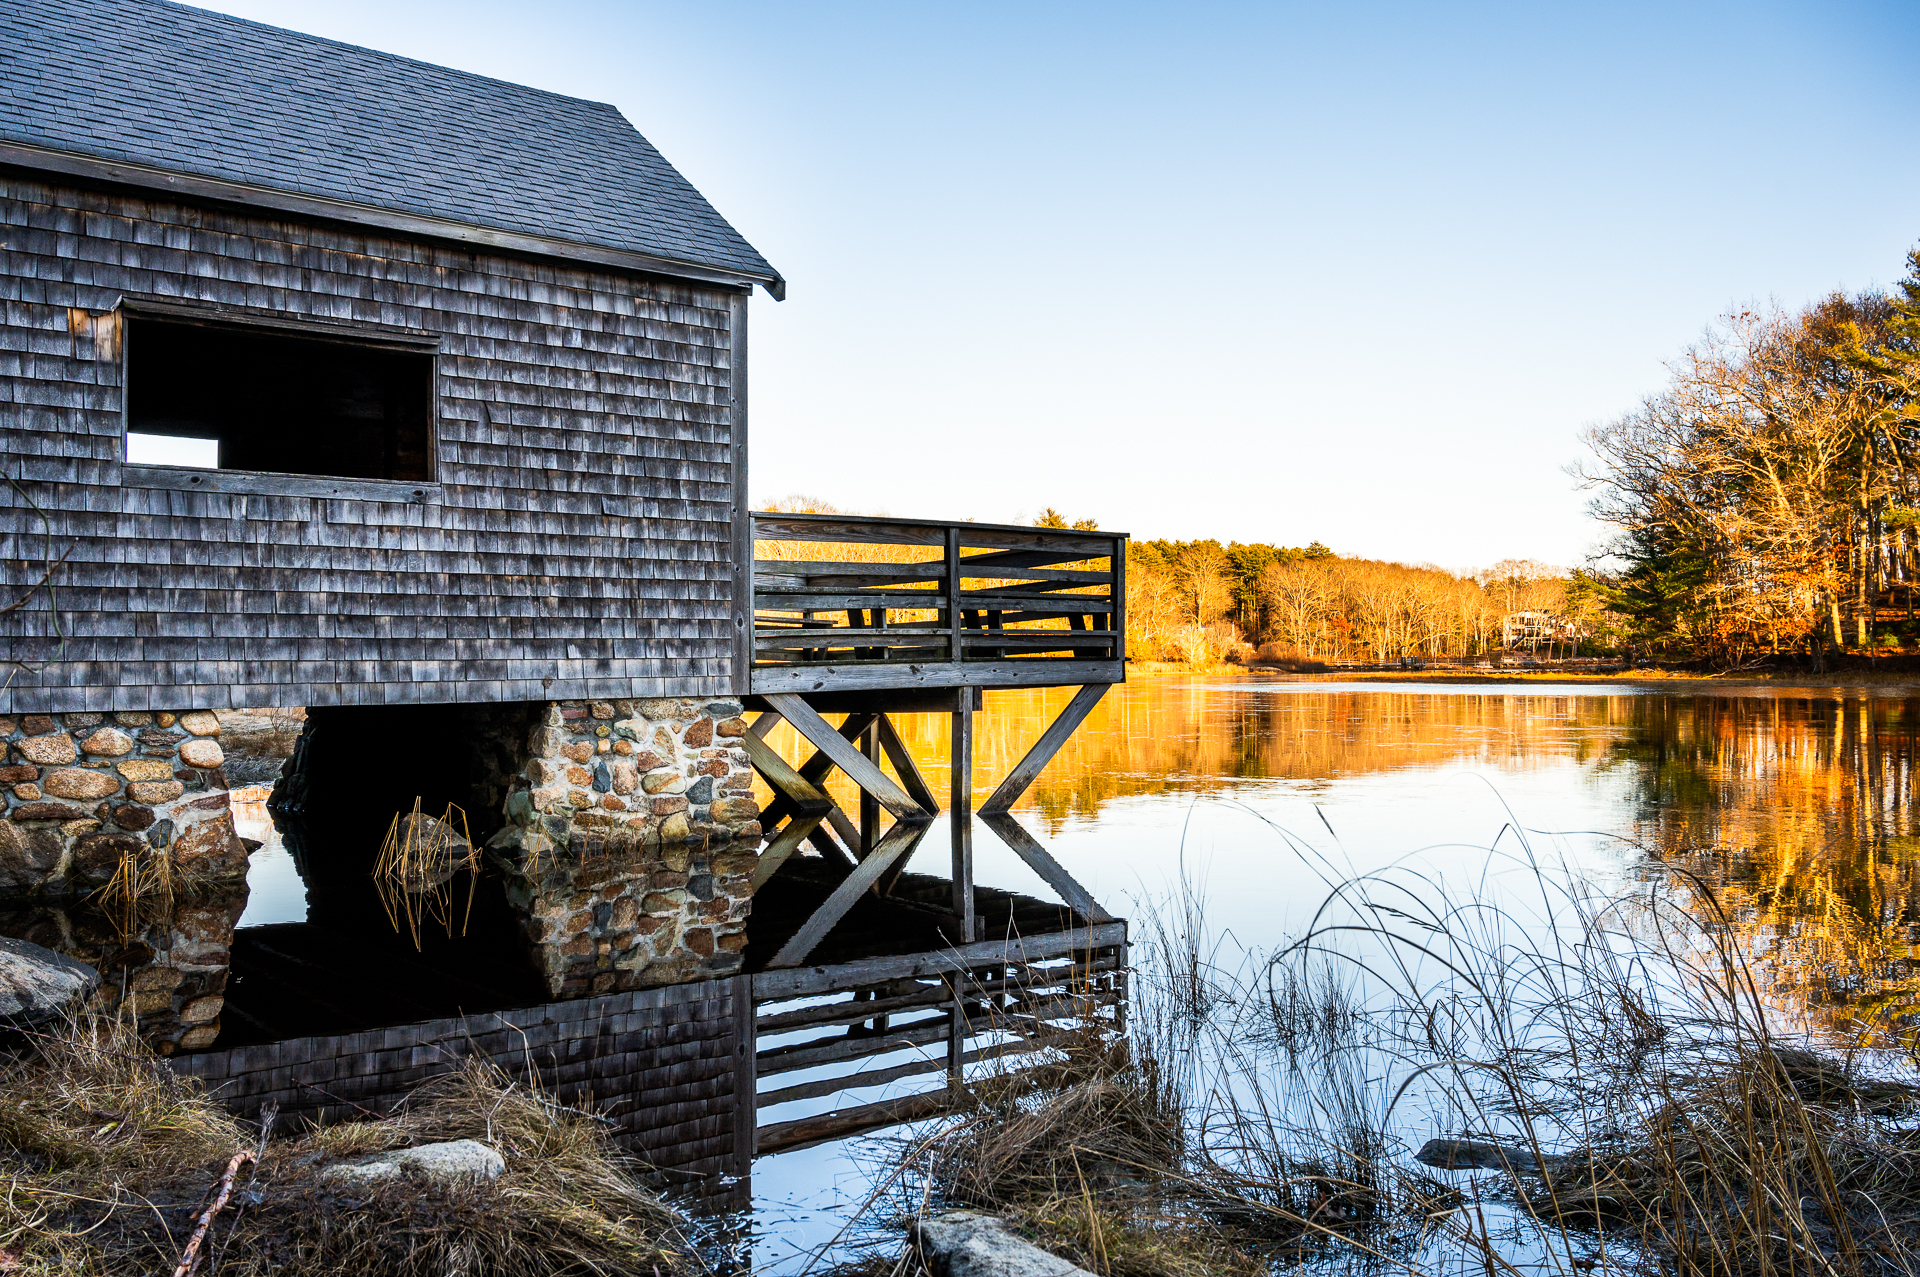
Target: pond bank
{"points": [[113, 1162]]}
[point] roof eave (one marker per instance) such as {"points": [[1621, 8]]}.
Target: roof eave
{"points": [[125, 173]]}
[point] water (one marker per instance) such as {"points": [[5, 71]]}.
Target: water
{"points": [[1794, 805]]}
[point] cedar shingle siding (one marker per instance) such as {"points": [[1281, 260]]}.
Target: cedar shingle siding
{"points": [[577, 541]]}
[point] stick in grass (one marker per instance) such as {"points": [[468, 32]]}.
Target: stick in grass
{"points": [[190, 1257]]}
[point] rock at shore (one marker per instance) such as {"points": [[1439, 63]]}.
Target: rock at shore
{"points": [[966, 1243], [38, 985], [454, 1160]]}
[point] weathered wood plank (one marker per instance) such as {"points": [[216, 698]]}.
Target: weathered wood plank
{"points": [[1032, 672], [885, 573], [840, 1047], [805, 1132], [771, 986], [1041, 861], [903, 764], [848, 759], [795, 832], [960, 822], [842, 529], [800, 794]]}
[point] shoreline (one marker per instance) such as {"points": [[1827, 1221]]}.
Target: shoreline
{"points": [[1875, 680]]}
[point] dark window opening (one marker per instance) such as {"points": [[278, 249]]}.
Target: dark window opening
{"points": [[250, 399]]}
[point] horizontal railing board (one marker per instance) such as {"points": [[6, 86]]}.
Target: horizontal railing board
{"points": [[857, 529], [910, 1068], [805, 1132], [1020, 984], [879, 675], [932, 570], [834, 600], [817, 1051], [781, 527]]}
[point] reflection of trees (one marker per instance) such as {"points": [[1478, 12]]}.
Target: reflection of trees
{"points": [[1165, 736], [1797, 813], [1798, 816]]}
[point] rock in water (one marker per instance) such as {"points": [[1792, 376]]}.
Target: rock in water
{"points": [[37, 985], [453, 1160], [965, 1243]]}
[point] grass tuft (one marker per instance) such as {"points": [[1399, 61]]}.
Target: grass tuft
{"points": [[109, 1158]]}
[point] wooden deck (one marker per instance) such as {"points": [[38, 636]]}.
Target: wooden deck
{"points": [[859, 604]]}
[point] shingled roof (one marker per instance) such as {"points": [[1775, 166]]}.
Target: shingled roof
{"points": [[159, 94]]}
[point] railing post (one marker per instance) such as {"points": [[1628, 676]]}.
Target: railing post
{"points": [[1117, 622], [953, 595]]}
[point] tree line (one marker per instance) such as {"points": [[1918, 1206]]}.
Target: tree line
{"points": [[1767, 499], [1201, 601]]}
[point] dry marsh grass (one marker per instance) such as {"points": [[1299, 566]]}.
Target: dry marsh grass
{"points": [[1265, 1110], [109, 1158]]}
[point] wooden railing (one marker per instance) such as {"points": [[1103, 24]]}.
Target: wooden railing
{"points": [[839, 601]]}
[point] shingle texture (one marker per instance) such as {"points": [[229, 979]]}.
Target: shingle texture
{"points": [[580, 546], [182, 89]]}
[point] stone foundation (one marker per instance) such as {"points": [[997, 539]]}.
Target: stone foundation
{"points": [[626, 831], [631, 837], [86, 792]]}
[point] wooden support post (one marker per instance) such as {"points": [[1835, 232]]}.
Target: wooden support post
{"points": [[746, 1107], [956, 1028], [869, 805], [960, 807]]}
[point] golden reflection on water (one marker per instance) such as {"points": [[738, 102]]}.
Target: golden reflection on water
{"points": [[1793, 809]]}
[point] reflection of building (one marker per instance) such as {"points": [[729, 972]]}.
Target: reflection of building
{"points": [[1538, 629]]}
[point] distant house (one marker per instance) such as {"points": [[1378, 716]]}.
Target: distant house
{"points": [[1532, 630], [331, 377]]}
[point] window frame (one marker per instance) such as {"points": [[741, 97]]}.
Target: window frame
{"points": [[254, 320]]}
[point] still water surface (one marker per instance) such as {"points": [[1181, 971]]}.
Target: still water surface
{"points": [[1795, 806]]}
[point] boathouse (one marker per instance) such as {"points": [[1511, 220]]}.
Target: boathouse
{"points": [[418, 399]]}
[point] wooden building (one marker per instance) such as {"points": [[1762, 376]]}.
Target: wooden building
{"points": [[472, 357], [334, 379]]}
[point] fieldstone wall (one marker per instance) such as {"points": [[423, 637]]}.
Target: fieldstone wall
{"points": [[666, 770], [631, 837], [84, 793], [627, 914]]}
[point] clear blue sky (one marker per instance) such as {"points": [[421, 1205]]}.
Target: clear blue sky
{"points": [[1355, 273]]}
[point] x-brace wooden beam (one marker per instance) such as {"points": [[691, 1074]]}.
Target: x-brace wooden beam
{"points": [[996, 814], [897, 845], [800, 793], [860, 769]]}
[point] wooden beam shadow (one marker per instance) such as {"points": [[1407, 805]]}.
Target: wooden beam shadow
{"points": [[898, 844]]}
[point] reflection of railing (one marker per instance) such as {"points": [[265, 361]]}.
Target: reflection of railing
{"points": [[860, 1026], [836, 596]]}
